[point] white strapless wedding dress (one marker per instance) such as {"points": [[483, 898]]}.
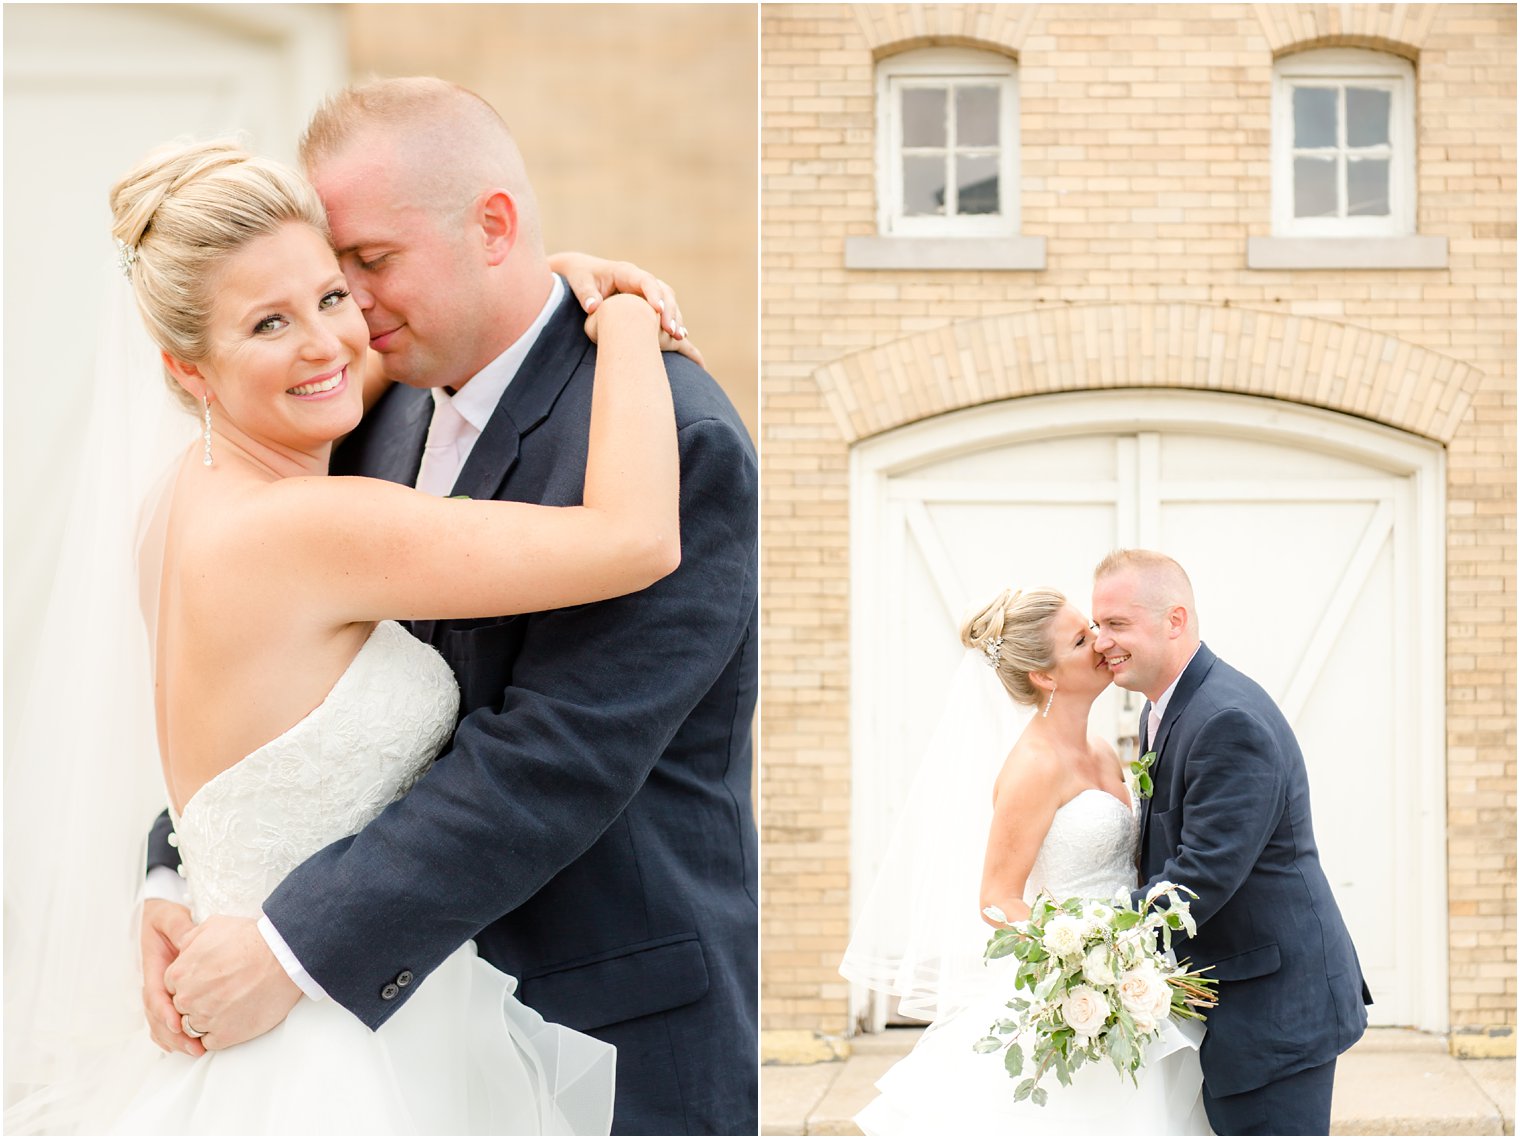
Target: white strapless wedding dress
{"points": [[461, 1056], [943, 1088]]}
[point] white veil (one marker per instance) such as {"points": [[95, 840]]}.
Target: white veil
{"points": [[83, 781], [919, 935]]}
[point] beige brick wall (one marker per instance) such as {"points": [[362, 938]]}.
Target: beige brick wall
{"points": [[638, 126], [1144, 135]]}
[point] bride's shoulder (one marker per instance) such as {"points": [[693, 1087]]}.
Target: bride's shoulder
{"points": [[1031, 760]]}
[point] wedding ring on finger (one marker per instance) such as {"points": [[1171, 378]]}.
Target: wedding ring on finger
{"points": [[184, 1023]]}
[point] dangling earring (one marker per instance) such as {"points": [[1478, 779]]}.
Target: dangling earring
{"points": [[1045, 714], [206, 435]]}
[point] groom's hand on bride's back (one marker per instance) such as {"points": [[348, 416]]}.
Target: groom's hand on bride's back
{"points": [[163, 925]]}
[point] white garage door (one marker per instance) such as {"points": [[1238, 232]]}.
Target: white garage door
{"points": [[1314, 544]]}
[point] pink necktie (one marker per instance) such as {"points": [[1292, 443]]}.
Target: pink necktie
{"points": [[440, 455], [1154, 726]]}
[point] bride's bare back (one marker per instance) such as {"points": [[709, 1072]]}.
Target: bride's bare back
{"points": [[236, 664]]}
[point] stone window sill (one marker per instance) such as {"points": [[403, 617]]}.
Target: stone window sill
{"points": [[1025, 254], [1346, 252]]}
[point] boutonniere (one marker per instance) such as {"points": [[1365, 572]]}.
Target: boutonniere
{"points": [[1141, 770]]}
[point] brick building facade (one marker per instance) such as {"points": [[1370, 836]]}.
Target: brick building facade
{"points": [[637, 125], [1152, 275]]}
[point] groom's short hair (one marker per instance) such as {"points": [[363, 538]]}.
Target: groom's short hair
{"points": [[463, 145], [1163, 580]]}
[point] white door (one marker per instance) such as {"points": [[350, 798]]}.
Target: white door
{"points": [[1313, 542], [89, 90]]}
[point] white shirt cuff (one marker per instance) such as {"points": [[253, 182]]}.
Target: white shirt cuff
{"points": [[288, 962], [167, 886]]}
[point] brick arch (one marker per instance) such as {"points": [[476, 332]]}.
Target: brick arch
{"points": [[1092, 347], [893, 28], [1400, 29]]}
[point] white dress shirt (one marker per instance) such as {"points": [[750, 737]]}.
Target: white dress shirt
{"points": [[1158, 708], [475, 402]]}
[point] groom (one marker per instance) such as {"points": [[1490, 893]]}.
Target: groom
{"points": [[590, 826], [1230, 820]]}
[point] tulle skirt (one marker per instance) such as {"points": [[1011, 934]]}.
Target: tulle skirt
{"points": [[943, 1088], [462, 1056]]}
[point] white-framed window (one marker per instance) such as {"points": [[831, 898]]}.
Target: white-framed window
{"points": [[1343, 145], [947, 144]]}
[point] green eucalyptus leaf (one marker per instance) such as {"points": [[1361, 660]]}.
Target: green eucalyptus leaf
{"points": [[1013, 1061], [998, 949], [1063, 1071], [987, 1044], [1038, 1096]]}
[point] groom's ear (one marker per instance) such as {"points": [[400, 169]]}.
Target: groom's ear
{"points": [[498, 222]]}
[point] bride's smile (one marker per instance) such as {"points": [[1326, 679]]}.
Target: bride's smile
{"points": [[286, 348]]}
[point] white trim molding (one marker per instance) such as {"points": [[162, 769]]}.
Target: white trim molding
{"points": [[1338, 72], [949, 70]]}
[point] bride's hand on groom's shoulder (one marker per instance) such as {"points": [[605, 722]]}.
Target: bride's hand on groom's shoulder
{"points": [[592, 279], [227, 982], [164, 923]]}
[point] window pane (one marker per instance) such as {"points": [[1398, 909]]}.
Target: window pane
{"points": [[923, 116], [1314, 188], [976, 116], [1367, 116], [1367, 187], [977, 184], [923, 184], [1313, 116]]}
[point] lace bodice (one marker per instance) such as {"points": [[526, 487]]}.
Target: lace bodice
{"points": [[362, 748], [1089, 851]]}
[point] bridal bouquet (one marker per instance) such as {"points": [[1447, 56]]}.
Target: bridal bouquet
{"points": [[1097, 984]]}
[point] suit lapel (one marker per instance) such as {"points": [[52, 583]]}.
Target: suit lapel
{"points": [[388, 443], [1145, 804], [527, 401], [1192, 678]]}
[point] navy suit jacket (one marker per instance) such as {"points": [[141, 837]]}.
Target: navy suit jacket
{"points": [[590, 826], [1229, 819]]}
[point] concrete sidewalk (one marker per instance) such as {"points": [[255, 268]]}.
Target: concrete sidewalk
{"points": [[1394, 1082]]}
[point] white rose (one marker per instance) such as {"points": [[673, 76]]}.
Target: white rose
{"points": [[1099, 914], [1063, 936], [1085, 1010], [1163, 1006], [1096, 968], [1140, 989], [1144, 1022]]}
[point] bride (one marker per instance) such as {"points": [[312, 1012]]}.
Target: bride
{"points": [[1058, 817], [290, 706]]}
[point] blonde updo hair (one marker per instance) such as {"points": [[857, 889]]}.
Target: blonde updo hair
{"points": [[183, 209], [1013, 632]]}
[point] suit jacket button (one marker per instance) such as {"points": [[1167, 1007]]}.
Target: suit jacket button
{"points": [[404, 978], [389, 993]]}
